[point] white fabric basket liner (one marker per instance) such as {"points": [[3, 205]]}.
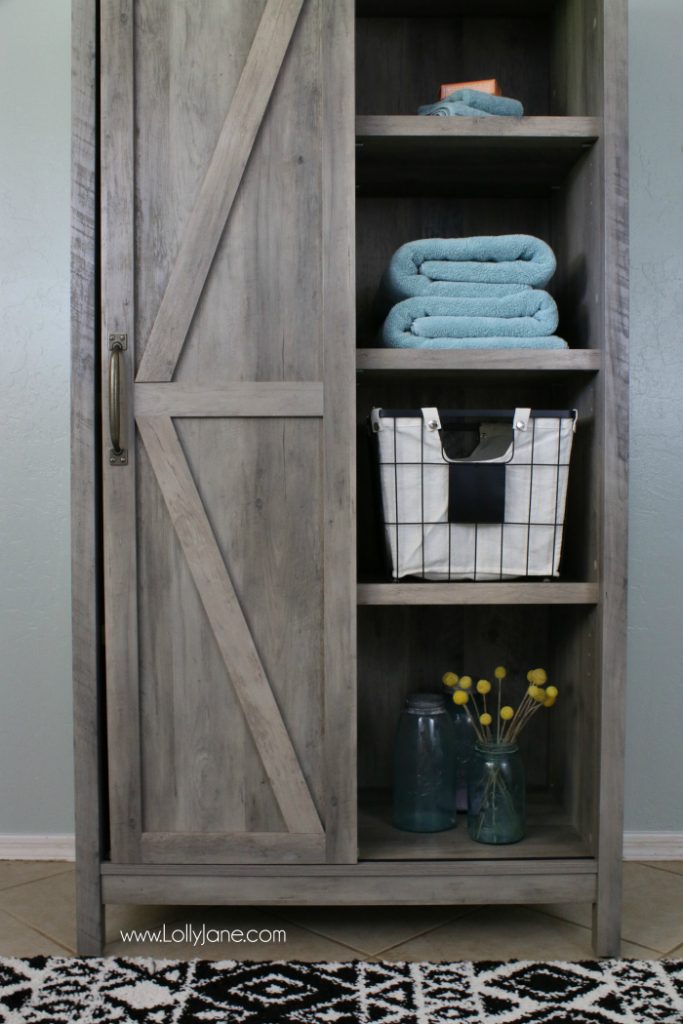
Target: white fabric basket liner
{"points": [[414, 480]]}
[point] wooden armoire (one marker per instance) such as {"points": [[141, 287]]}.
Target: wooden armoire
{"points": [[243, 171]]}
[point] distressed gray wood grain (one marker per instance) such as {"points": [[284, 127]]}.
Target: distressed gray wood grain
{"points": [[85, 553], [614, 440], [414, 361], [439, 8], [477, 593], [339, 511], [194, 727], [550, 132], [260, 482], [244, 399], [232, 848], [228, 624], [363, 869], [224, 174], [118, 482], [422, 889]]}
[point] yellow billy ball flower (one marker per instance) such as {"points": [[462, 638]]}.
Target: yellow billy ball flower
{"points": [[483, 686], [536, 693], [507, 713], [460, 697], [466, 682], [500, 672], [449, 679], [485, 719], [539, 676], [548, 702], [551, 691], [530, 675]]}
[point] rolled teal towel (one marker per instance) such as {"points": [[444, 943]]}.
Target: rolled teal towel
{"points": [[442, 266], [472, 103], [440, 322]]}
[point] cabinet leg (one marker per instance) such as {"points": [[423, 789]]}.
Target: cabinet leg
{"points": [[607, 916], [89, 913]]}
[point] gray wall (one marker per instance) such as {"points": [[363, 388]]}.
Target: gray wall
{"points": [[654, 771], [35, 696], [35, 735]]}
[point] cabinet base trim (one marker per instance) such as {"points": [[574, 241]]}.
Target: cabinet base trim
{"points": [[424, 889]]}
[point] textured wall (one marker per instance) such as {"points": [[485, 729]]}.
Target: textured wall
{"points": [[35, 697], [655, 708], [35, 734]]}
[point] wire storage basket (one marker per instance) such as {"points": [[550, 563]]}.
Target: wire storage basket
{"points": [[494, 513]]}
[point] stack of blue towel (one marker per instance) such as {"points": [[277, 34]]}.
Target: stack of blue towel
{"points": [[481, 292], [473, 103]]}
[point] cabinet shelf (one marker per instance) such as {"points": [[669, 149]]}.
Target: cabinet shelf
{"points": [[470, 593], [456, 361], [413, 155], [453, 8], [549, 835]]}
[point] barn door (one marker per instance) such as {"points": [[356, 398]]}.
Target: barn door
{"points": [[227, 371]]}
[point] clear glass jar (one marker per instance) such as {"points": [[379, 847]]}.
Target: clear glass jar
{"points": [[424, 760], [496, 794], [465, 738]]}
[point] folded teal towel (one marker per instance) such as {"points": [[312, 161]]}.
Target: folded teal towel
{"points": [[472, 103], [410, 341], [441, 266], [429, 321]]}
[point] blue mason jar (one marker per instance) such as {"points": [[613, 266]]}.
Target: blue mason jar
{"points": [[424, 759], [465, 738], [496, 794]]}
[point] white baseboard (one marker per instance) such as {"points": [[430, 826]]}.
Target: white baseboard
{"points": [[653, 845], [637, 846], [22, 847]]}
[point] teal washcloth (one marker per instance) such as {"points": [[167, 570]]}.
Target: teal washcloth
{"points": [[529, 314], [472, 103], [458, 267]]}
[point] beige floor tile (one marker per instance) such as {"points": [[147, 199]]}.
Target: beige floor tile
{"points": [[17, 872], [575, 913], [295, 944], [504, 933], [18, 939], [653, 908], [370, 929], [666, 865], [47, 904]]}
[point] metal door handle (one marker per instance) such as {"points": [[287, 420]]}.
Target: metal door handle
{"points": [[118, 456]]}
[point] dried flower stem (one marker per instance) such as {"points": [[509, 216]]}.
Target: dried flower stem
{"points": [[474, 721], [529, 712]]}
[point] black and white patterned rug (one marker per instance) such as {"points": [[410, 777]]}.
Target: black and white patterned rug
{"points": [[117, 991]]}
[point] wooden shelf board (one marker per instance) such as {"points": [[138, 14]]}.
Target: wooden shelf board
{"points": [[467, 593], [549, 835], [411, 155], [528, 361], [453, 8]]}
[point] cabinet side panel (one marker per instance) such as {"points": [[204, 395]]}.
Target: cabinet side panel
{"points": [[614, 429], [339, 341], [84, 546], [576, 84]]}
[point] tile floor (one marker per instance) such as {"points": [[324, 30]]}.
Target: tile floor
{"points": [[37, 917]]}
